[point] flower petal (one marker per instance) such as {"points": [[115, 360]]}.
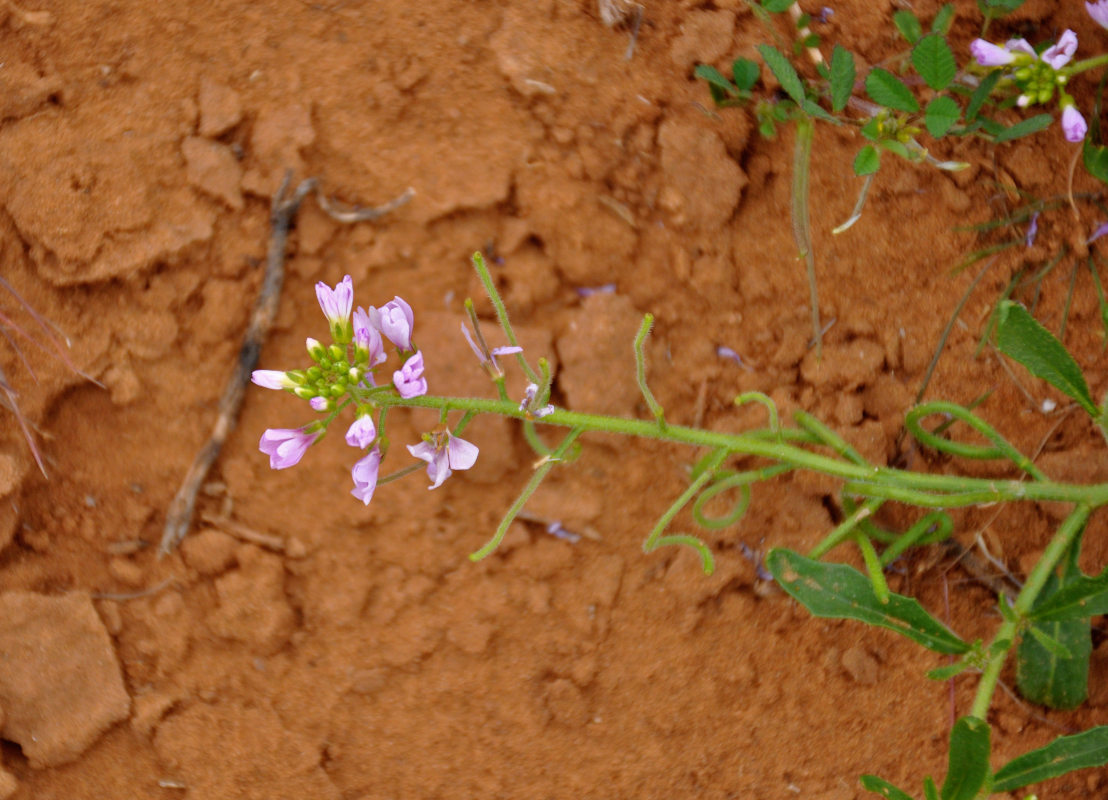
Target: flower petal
{"points": [[365, 474], [460, 453]]}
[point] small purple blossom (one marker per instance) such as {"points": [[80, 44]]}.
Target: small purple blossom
{"points": [[1032, 230], [991, 55], [488, 357], [529, 395], [361, 432], [337, 304], [1074, 126], [365, 473], [1099, 12], [286, 446], [448, 454], [367, 339], [409, 380], [1060, 53], [272, 379], [319, 403], [1101, 230], [395, 320]]}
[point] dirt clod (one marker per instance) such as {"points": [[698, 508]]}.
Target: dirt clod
{"points": [[61, 686]]}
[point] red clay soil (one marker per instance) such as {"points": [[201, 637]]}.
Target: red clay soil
{"points": [[355, 652]]}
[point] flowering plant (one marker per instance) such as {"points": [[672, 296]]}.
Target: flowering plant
{"points": [[897, 110], [344, 376], [1047, 625]]}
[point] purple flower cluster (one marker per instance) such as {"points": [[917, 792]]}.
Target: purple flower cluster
{"points": [[343, 374], [1038, 75]]}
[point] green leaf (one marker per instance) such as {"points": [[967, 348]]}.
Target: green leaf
{"points": [[1096, 160], [943, 19], [842, 77], [1039, 122], [940, 116], [783, 71], [969, 759], [1050, 644], [947, 672], [887, 90], [838, 591], [816, 111], [893, 146], [776, 6], [934, 61], [1021, 337], [719, 85], [981, 94], [868, 160], [872, 129], [1064, 754], [1052, 666], [908, 24], [871, 783], [997, 8], [745, 72], [929, 790]]}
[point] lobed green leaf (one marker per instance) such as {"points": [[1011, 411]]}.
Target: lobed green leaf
{"points": [[908, 24], [888, 90], [838, 591], [841, 77], [868, 160], [1021, 337], [784, 71], [745, 73], [942, 21], [934, 61], [1065, 754], [715, 79], [940, 116]]}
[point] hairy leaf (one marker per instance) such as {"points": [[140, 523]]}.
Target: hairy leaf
{"points": [[1026, 127], [1020, 336], [969, 759], [784, 71], [841, 77], [867, 161], [940, 116], [839, 591], [871, 783], [745, 73], [934, 61], [1064, 754], [888, 90], [908, 24]]}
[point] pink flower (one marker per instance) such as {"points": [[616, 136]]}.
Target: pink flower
{"points": [[446, 454], [286, 446], [272, 379], [409, 380], [1073, 125], [337, 304], [367, 339], [989, 54], [488, 357], [1099, 12], [1060, 53], [362, 432], [365, 473], [395, 321]]}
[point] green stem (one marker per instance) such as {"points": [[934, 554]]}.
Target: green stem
{"points": [[1085, 64], [802, 231], [1063, 539], [931, 491], [528, 490]]}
